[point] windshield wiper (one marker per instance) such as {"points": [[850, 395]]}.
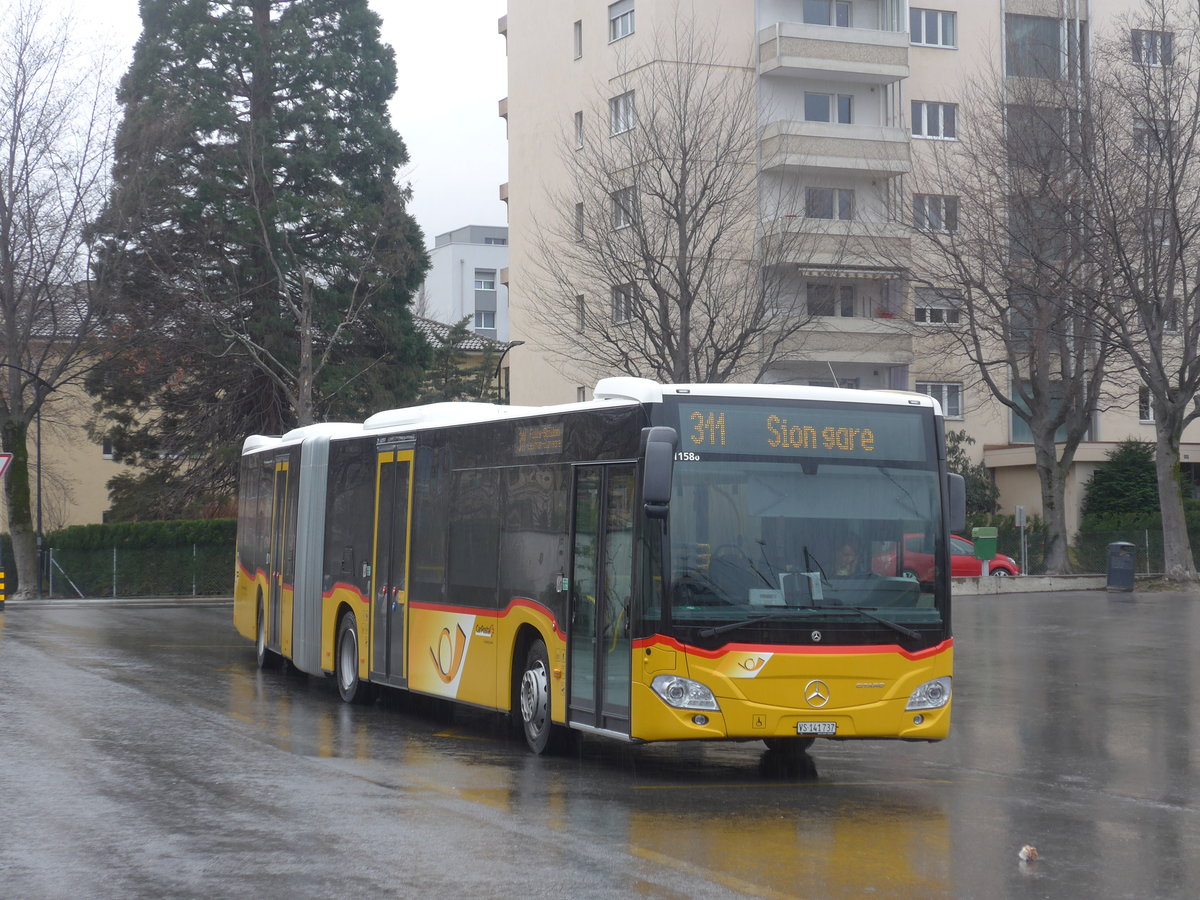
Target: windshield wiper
{"points": [[895, 626], [729, 626]]}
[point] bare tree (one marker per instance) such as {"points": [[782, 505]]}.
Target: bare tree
{"points": [[672, 257], [1144, 202], [55, 124], [1004, 264]]}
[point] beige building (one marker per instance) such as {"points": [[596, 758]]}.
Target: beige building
{"points": [[856, 98], [74, 470]]}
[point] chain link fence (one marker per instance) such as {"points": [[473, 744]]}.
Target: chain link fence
{"points": [[197, 570], [1089, 553]]}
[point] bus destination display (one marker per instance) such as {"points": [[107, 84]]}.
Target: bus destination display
{"points": [[856, 432]]}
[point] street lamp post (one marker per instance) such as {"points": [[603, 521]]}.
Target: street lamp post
{"points": [[499, 363]]}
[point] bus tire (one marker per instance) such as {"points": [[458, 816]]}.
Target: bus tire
{"points": [[350, 687], [533, 692], [267, 659]]}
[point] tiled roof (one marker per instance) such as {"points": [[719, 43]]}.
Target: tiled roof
{"points": [[437, 332]]}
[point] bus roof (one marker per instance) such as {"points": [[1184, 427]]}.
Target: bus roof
{"points": [[609, 392], [643, 390]]}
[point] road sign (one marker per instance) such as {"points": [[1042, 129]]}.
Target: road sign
{"points": [[5, 459]]}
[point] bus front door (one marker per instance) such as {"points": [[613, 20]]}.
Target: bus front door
{"points": [[278, 529], [598, 661], [389, 592]]}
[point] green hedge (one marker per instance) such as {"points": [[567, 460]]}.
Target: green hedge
{"points": [[136, 559], [144, 534]]}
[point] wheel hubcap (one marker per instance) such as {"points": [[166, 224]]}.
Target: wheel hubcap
{"points": [[534, 698]]}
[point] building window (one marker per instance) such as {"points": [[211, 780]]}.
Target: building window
{"points": [[580, 313], [935, 212], [937, 306], [485, 279], [1033, 46], [1039, 136], [581, 394], [620, 20], [829, 203], [947, 393], [935, 120], [578, 29], [932, 27], [485, 318], [622, 208], [496, 241], [824, 107], [579, 130], [1150, 135], [1152, 48], [106, 448], [829, 299], [622, 304], [827, 12], [621, 113], [579, 221], [1145, 407]]}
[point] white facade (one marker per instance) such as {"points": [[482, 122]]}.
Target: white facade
{"points": [[464, 280], [849, 107]]}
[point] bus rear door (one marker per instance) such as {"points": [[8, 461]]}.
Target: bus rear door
{"points": [[389, 573], [598, 660]]}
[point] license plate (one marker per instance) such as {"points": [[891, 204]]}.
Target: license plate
{"points": [[816, 728]]}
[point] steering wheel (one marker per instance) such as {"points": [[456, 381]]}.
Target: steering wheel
{"points": [[730, 552]]}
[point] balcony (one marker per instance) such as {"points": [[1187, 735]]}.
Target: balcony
{"points": [[863, 55], [858, 341], [503, 108], [860, 248], [504, 192], [872, 149]]}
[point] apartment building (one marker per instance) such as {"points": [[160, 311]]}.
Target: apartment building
{"points": [[464, 280], [856, 100]]}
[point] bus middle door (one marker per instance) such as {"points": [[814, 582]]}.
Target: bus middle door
{"points": [[389, 594], [278, 533], [599, 659]]}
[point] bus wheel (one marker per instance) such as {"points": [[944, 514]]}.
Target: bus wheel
{"points": [[535, 698], [788, 746], [266, 658], [349, 685]]}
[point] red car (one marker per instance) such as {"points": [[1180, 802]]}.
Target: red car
{"points": [[917, 560]]}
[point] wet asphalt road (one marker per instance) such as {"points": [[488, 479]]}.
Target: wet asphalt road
{"points": [[142, 755]]}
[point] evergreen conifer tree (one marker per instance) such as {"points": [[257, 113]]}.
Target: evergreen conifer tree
{"points": [[256, 251]]}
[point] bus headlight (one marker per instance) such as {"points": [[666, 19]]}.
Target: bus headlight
{"points": [[931, 695], [683, 693]]}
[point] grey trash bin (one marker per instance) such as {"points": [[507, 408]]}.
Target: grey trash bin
{"points": [[1122, 563]]}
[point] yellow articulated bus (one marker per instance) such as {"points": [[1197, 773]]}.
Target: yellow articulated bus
{"points": [[664, 562]]}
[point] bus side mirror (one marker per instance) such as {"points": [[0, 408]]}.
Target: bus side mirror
{"points": [[956, 491], [656, 472]]}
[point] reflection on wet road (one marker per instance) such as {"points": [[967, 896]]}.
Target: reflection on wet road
{"points": [[142, 754]]}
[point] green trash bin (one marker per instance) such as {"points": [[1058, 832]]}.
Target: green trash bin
{"points": [[985, 539]]}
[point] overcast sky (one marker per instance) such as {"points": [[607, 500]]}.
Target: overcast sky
{"points": [[451, 78]]}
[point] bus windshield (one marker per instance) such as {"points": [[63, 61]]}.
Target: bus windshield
{"points": [[758, 540]]}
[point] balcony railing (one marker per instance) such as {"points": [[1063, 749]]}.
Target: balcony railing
{"points": [[858, 245], [874, 149], [863, 55]]}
